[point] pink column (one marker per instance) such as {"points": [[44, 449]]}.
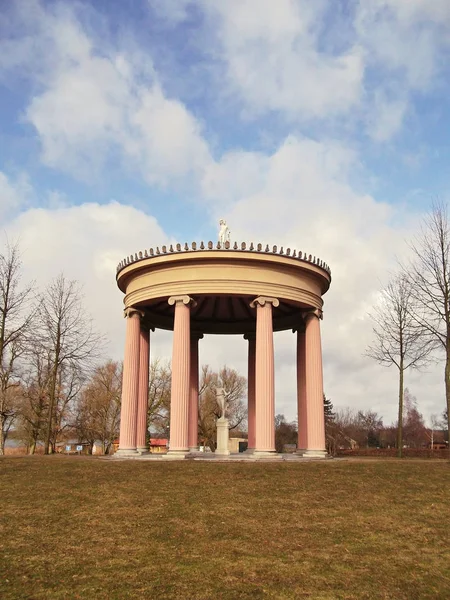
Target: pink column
{"points": [[251, 409], [301, 390], [264, 377], [315, 419], [130, 383], [179, 399], [142, 408], [193, 397]]}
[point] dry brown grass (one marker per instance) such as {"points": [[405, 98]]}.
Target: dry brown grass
{"points": [[77, 527]]}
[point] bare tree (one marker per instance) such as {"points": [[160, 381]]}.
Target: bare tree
{"points": [[34, 402], [436, 424], [285, 433], [370, 424], [67, 336], [15, 318], [399, 339], [209, 411], [415, 431], [159, 388], [445, 424], [98, 408], [330, 432], [356, 428], [71, 378], [429, 274]]}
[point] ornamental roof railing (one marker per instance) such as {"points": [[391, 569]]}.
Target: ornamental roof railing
{"points": [[223, 247]]}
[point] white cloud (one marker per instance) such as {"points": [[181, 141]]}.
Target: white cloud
{"points": [[273, 60], [86, 243], [291, 58], [174, 11], [167, 138], [14, 194], [406, 45], [386, 116], [95, 103], [405, 38]]}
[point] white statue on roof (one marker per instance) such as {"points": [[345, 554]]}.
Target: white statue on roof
{"points": [[224, 232]]}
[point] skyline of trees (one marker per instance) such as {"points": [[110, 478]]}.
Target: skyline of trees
{"points": [[94, 414], [90, 412]]}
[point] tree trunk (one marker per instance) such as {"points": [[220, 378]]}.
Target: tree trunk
{"points": [[52, 398], [447, 384], [400, 413], [2, 438]]}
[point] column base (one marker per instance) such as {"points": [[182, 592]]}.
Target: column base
{"points": [[222, 453], [249, 451], [312, 453], [126, 452], [266, 454], [175, 454], [194, 449]]}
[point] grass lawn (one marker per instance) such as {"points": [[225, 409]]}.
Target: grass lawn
{"points": [[75, 527]]}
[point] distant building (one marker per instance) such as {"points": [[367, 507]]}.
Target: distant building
{"points": [[158, 446], [237, 444]]}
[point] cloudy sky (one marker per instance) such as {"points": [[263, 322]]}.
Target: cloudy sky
{"points": [[320, 125]]}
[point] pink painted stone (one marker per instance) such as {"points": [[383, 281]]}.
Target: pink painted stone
{"points": [[130, 383], [193, 395], [312, 441], [301, 391], [180, 392], [142, 407], [251, 409], [265, 376]]}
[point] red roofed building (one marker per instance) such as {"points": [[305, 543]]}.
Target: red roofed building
{"points": [[158, 445]]}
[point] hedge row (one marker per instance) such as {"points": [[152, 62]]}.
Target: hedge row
{"points": [[392, 452]]}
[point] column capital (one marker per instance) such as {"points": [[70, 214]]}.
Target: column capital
{"points": [[185, 299], [262, 300], [130, 311], [315, 312]]}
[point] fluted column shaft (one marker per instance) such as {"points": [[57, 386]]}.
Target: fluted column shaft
{"points": [[264, 376], [251, 408], [181, 371], [142, 407], [315, 419], [301, 390], [193, 395], [130, 382]]}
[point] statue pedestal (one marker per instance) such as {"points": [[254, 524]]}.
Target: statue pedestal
{"points": [[223, 434]]}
